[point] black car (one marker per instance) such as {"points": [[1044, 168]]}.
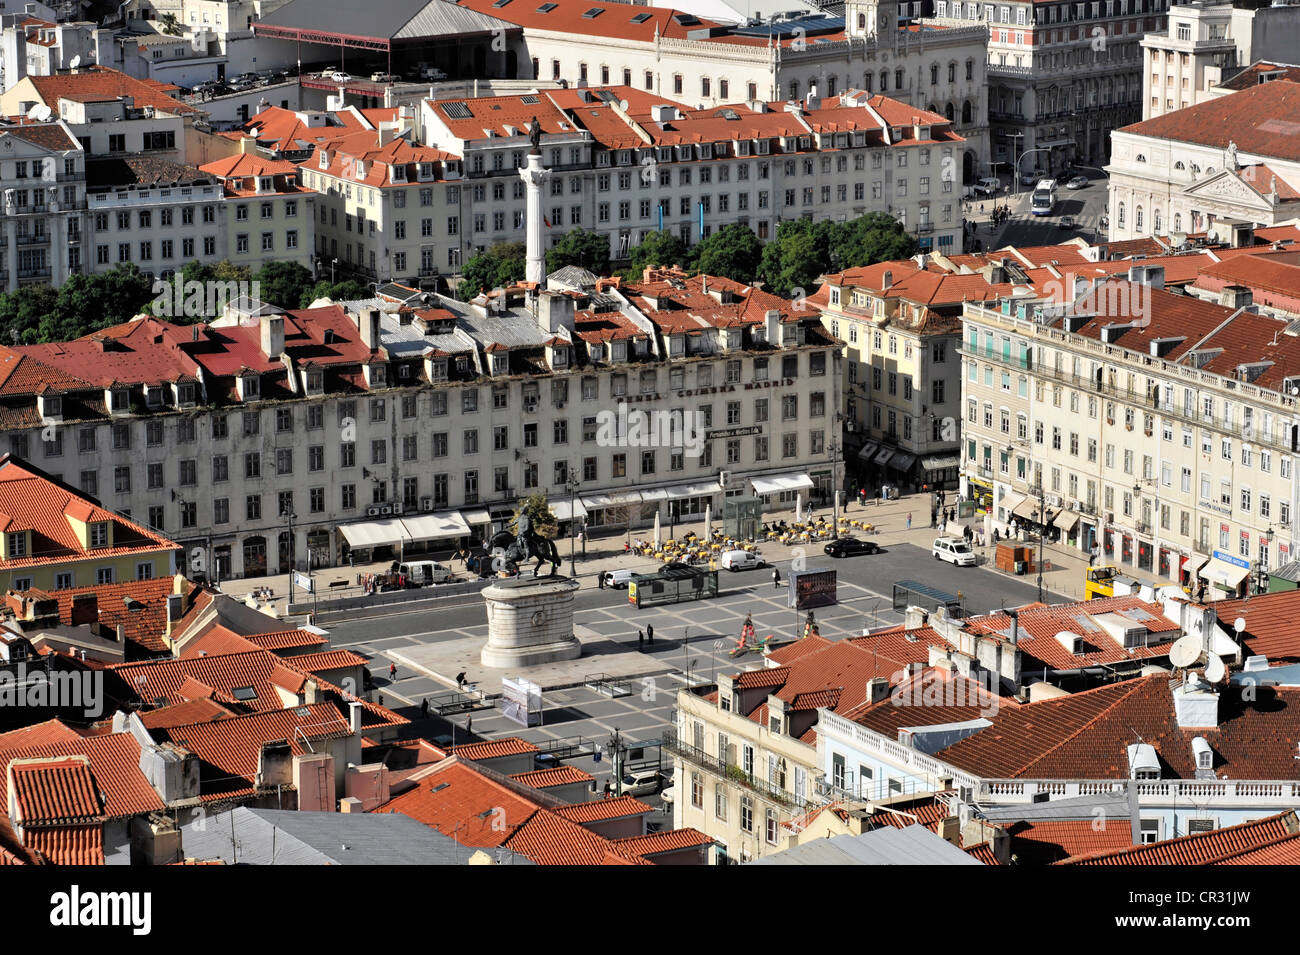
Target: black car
{"points": [[851, 546]]}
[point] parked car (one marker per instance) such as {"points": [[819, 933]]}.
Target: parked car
{"points": [[618, 579], [851, 547], [432, 73], [982, 191], [643, 782], [1078, 182], [1065, 222], [740, 560], [954, 550], [424, 572], [383, 78], [991, 184], [666, 796]]}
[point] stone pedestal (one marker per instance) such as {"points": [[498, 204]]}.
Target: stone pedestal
{"points": [[530, 622]]}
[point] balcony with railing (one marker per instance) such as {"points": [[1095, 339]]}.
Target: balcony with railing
{"points": [[733, 773]]}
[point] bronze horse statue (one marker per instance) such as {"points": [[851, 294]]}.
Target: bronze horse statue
{"points": [[510, 551]]}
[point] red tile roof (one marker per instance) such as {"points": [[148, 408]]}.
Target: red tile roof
{"points": [[99, 84], [666, 840], [1270, 624], [38, 734], [615, 20], [31, 501], [494, 748], [1260, 120], [138, 606], [556, 776], [616, 807], [182, 714], [1048, 841], [327, 660], [69, 845], [59, 790], [1219, 847], [114, 765]]}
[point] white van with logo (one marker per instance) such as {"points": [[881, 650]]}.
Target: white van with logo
{"points": [[424, 572], [618, 578], [740, 560]]}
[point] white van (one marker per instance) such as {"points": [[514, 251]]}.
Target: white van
{"points": [[618, 578], [424, 572], [740, 560], [954, 550]]}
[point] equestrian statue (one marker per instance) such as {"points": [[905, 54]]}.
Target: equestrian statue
{"points": [[509, 551]]}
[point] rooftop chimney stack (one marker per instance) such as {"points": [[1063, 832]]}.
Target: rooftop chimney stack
{"points": [[368, 325], [272, 336]]}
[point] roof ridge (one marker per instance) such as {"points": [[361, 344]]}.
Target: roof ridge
{"points": [[1195, 837]]}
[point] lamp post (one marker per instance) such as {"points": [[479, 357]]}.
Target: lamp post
{"points": [[333, 265], [836, 483], [289, 516], [571, 485]]}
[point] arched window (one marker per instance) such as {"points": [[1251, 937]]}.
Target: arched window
{"points": [[898, 79], [884, 81], [812, 84], [1180, 165], [1120, 215], [934, 74], [1178, 222], [831, 83], [862, 21], [1137, 219], [866, 82], [1155, 216], [949, 112], [1141, 158], [966, 112], [794, 89]]}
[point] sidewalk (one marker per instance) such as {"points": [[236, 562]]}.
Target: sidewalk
{"points": [[1063, 566]]}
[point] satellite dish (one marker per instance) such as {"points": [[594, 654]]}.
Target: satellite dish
{"points": [[76, 62], [45, 113], [1185, 652], [1239, 624], [1214, 669], [624, 105], [35, 111]]}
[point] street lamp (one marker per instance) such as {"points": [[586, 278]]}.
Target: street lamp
{"points": [[333, 265], [571, 485], [835, 477], [289, 516]]}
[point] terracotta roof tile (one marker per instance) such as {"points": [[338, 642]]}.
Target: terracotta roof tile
{"points": [[556, 776], [1260, 120], [59, 790], [114, 765], [666, 840], [616, 807], [494, 749], [69, 845], [1218, 847], [98, 84]]}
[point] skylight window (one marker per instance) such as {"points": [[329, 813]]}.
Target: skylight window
{"points": [[500, 3], [547, 7], [641, 18], [244, 693], [593, 13], [686, 19]]}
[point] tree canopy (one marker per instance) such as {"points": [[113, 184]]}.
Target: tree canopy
{"points": [[284, 283], [34, 314], [540, 516], [582, 248], [732, 252], [496, 267], [657, 249], [803, 250]]}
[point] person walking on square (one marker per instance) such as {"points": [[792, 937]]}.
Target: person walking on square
{"points": [[650, 634], [909, 520]]}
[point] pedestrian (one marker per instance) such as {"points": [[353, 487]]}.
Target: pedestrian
{"points": [[424, 708], [600, 581], [909, 520], [650, 634], [640, 639], [469, 724], [995, 535], [392, 671], [776, 579], [934, 517]]}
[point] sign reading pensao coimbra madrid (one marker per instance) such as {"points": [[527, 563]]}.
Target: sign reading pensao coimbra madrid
{"points": [[812, 588]]}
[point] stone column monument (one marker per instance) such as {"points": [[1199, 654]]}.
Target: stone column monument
{"points": [[534, 177], [530, 622]]}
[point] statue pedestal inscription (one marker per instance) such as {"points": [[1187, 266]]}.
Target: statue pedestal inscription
{"points": [[530, 622]]}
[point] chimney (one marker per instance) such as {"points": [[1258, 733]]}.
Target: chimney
{"points": [[175, 608], [886, 281], [1015, 627], [772, 326], [1149, 275], [354, 717], [1235, 296], [85, 609], [273, 336], [812, 101], [368, 325], [914, 618], [1196, 704]]}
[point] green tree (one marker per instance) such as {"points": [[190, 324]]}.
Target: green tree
{"points": [[24, 312], [875, 237], [732, 252], [657, 249], [169, 24], [539, 513], [346, 291], [284, 283], [227, 271], [197, 271], [118, 296], [497, 266], [800, 253], [585, 249]]}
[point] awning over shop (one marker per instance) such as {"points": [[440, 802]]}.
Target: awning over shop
{"points": [[884, 455], [902, 461], [937, 463], [437, 526], [386, 533], [1194, 563], [1223, 574], [771, 483], [654, 494], [868, 451], [476, 517], [560, 508], [702, 489], [1011, 500], [611, 499], [1027, 510], [1066, 520]]}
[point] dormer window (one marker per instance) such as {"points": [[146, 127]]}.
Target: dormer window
{"points": [[359, 169], [52, 406], [266, 184], [620, 351], [561, 357], [185, 394], [379, 374], [121, 399], [597, 352], [438, 370], [426, 170], [99, 535], [677, 344], [835, 296], [16, 545], [500, 363], [324, 159], [315, 382], [153, 397], [252, 387]]}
